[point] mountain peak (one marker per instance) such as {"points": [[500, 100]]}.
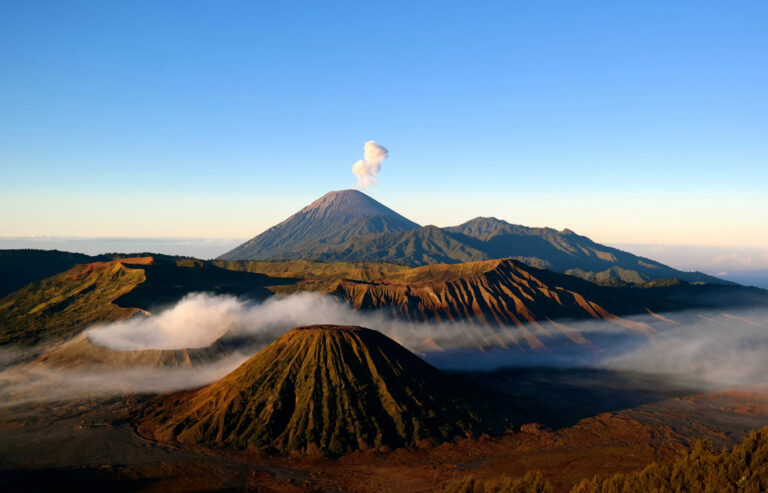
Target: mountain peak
{"points": [[482, 227], [331, 219], [347, 203], [320, 388]]}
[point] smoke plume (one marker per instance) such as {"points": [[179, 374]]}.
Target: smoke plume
{"points": [[196, 321], [715, 346], [367, 168]]}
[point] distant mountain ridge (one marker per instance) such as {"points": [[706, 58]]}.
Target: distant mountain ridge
{"points": [[335, 217], [347, 225]]}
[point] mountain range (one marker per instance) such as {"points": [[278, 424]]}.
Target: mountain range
{"points": [[492, 293], [348, 225]]}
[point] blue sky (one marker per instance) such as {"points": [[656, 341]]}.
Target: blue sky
{"points": [[635, 123]]}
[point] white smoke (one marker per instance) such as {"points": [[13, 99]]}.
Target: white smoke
{"points": [[196, 321], [714, 349], [368, 168], [719, 347], [25, 384]]}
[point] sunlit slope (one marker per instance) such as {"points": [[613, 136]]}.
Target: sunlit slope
{"points": [[62, 305], [329, 389], [496, 292], [741, 469]]}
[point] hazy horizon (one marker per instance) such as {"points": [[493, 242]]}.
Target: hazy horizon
{"points": [[742, 264]]}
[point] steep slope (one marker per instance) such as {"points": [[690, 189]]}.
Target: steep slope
{"points": [[324, 388], [497, 293], [332, 219]]}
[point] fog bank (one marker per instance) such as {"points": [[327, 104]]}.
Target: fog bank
{"points": [[722, 347]]}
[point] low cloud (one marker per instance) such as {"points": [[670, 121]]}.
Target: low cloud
{"points": [[711, 349], [196, 321], [26, 384], [719, 347]]}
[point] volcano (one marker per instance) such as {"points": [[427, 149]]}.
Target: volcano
{"points": [[330, 220], [319, 389], [349, 226]]}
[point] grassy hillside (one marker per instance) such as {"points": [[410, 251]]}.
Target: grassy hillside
{"points": [[564, 252], [63, 305], [325, 389], [423, 246]]}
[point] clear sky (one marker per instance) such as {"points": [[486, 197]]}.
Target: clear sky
{"points": [[633, 122]]}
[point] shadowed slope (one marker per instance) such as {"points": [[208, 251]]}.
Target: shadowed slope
{"points": [[422, 246], [566, 251], [321, 388], [348, 225], [23, 266], [330, 220]]}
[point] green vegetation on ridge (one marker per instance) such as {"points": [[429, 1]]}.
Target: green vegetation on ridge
{"points": [[741, 469]]}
